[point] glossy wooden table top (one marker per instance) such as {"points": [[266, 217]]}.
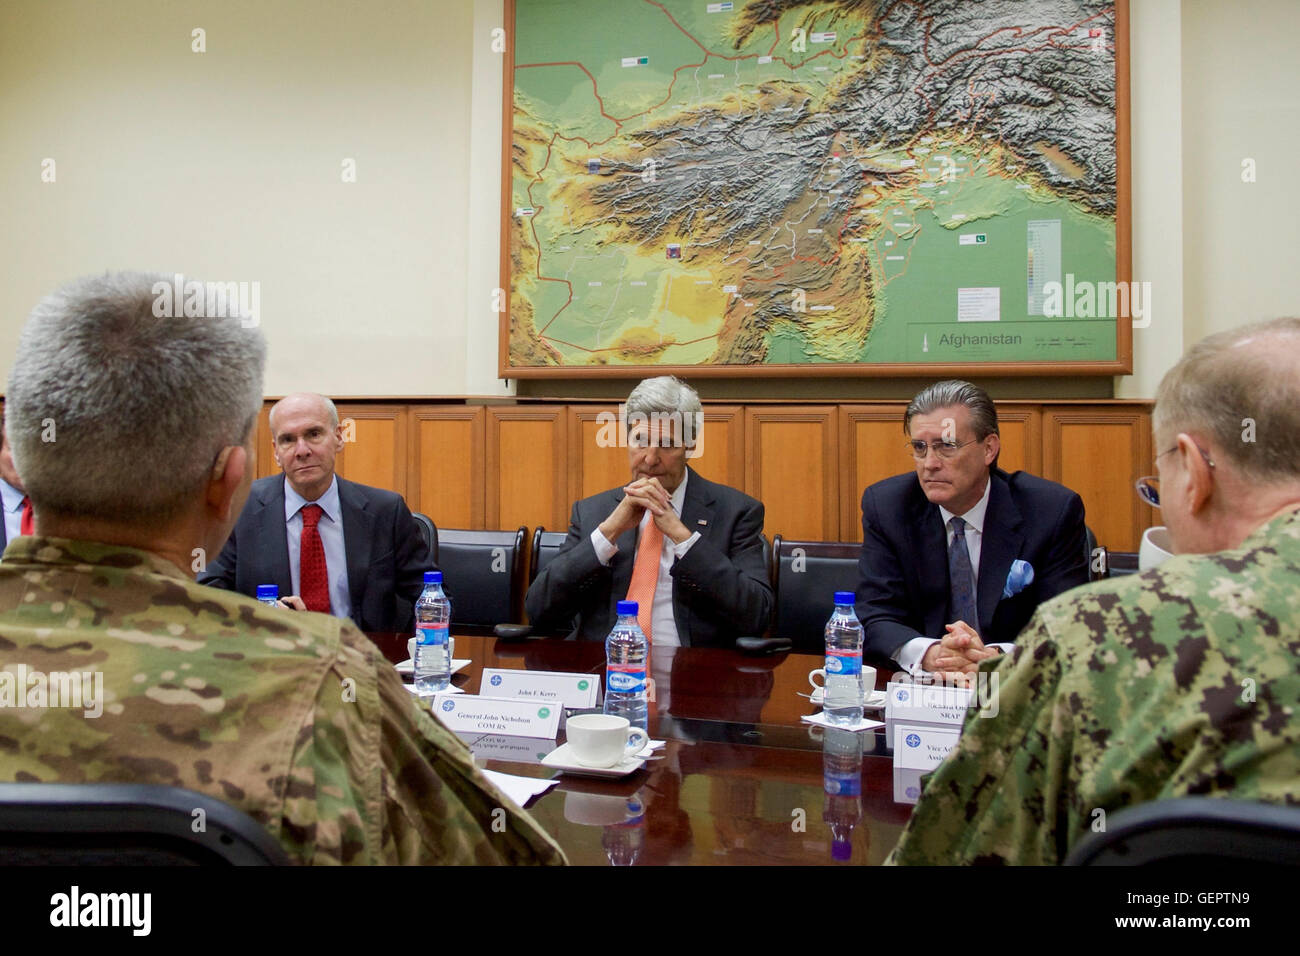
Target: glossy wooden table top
{"points": [[740, 781]]}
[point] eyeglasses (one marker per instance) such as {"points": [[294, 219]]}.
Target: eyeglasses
{"points": [[942, 449], [1148, 486]]}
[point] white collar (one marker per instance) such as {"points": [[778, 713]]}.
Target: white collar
{"points": [[974, 517], [329, 501]]}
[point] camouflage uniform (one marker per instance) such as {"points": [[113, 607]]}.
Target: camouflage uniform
{"points": [[294, 718], [1178, 682]]}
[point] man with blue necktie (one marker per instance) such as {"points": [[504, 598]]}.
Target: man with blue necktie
{"points": [[956, 557], [18, 509]]}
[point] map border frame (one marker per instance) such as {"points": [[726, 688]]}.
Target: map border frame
{"points": [[1122, 364]]}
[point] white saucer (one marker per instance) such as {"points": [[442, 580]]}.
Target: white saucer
{"points": [[875, 700], [408, 666], [561, 758]]}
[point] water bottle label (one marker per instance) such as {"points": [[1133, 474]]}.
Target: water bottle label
{"points": [[843, 663], [432, 633], [625, 678], [842, 785]]}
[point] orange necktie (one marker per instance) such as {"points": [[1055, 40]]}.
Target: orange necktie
{"points": [[645, 575]]}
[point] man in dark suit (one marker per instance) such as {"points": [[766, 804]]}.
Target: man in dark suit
{"points": [[329, 544], [956, 558], [18, 517], [688, 550]]}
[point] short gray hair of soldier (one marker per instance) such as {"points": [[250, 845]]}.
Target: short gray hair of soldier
{"points": [[119, 414], [666, 397], [983, 413], [1241, 389]]}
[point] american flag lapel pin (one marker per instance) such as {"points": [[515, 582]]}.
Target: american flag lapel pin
{"points": [[702, 521]]}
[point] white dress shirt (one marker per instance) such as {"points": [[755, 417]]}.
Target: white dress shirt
{"points": [[330, 528], [911, 654], [663, 629]]}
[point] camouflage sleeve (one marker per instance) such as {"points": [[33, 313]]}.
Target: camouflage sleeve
{"points": [[995, 798], [375, 780], [438, 807]]}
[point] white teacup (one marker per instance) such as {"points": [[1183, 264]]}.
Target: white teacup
{"points": [[1156, 546], [603, 740], [451, 648], [868, 682]]}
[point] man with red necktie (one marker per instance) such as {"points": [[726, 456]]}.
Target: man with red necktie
{"points": [[17, 507], [688, 550], [331, 545]]}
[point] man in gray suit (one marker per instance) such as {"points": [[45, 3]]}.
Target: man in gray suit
{"points": [[697, 544], [329, 544]]}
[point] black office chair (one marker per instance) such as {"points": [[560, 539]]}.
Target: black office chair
{"points": [[1096, 568], [546, 545], [483, 574], [1121, 562], [430, 532], [115, 824], [1194, 831], [805, 577]]}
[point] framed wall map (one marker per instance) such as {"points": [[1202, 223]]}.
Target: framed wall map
{"points": [[838, 187]]}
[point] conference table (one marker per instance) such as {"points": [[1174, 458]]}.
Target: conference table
{"points": [[739, 781]]}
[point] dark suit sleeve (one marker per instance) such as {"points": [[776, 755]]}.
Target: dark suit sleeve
{"points": [[882, 601], [1067, 563], [411, 559], [221, 572], [730, 590], [564, 587]]}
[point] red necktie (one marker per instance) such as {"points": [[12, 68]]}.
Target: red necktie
{"points": [[27, 525], [313, 575]]}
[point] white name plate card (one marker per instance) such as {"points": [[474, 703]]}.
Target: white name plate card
{"points": [[463, 713], [567, 690], [503, 747], [907, 785], [938, 704], [922, 746]]}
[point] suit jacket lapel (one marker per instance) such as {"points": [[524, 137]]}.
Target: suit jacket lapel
{"points": [[273, 550], [358, 524], [999, 546], [697, 507], [930, 544]]}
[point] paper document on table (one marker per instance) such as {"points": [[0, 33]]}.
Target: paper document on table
{"points": [[519, 789]]}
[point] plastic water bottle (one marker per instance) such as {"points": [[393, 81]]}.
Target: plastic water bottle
{"points": [[432, 629], [625, 659], [268, 594], [842, 783], [842, 703]]}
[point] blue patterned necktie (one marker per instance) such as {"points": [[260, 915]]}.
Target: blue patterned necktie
{"points": [[961, 578]]}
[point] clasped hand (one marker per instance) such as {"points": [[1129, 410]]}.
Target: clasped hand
{"points": [[957, 654], [644, 494]]}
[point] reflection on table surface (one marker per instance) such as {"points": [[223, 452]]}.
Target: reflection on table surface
{"points": [[740, 780]]}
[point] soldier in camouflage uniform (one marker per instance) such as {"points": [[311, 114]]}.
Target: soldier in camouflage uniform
{"points": [[1181, 681], [293, 717]]}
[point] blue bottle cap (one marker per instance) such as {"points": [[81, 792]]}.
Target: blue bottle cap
{"points": [[844, 597], [627, 607], [432, 577], [268, 591]]}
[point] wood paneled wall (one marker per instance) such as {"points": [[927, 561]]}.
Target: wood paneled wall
{"points": [[505, 465]]}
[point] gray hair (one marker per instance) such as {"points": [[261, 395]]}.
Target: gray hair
{"points": [[667, 396], [1240, 388], [983, 413], [117, 413]]}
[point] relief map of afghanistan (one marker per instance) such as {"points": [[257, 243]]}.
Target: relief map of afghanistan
{"points": [[779, 182]]}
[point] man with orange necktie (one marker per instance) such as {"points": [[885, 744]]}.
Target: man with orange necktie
{"points": [[330, 544], [18, 509], [688, 550]]}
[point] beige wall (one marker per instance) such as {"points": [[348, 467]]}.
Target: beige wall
{"points": [[226, 164]]}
